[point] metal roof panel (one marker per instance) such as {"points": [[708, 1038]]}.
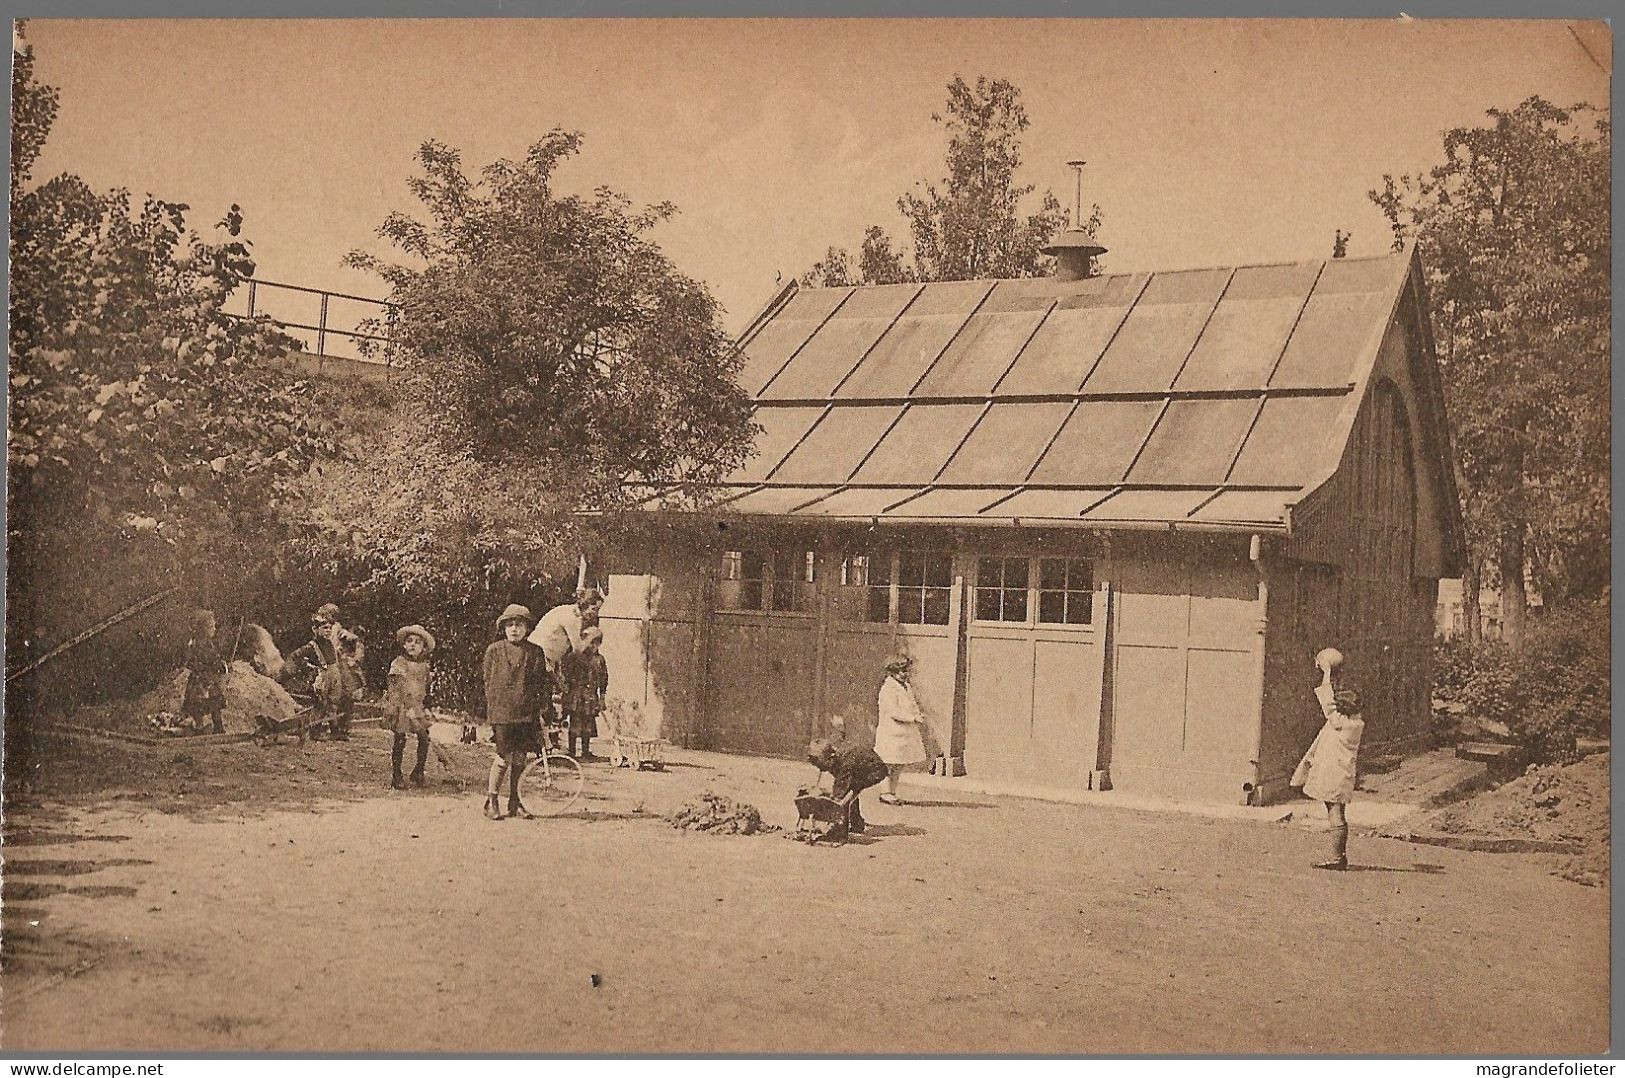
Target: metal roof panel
{"points": [[837, 444], [915, 449], [1159, 333], [1149, 505], [856, 502], [950, 502], [1006, 443], [1097, 443], [777, 340], [1294, 440], [1194, 442], [782, 428], [1249, 329], [1246, 507]]}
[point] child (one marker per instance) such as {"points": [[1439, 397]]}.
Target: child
{"points": [[335, 654], [516, 690], [586, 680], [851, 769], [404, 700], [897, 737], [1327, 770], [206, 672]]}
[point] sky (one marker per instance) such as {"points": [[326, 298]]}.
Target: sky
{"points": [[1209, 142]]}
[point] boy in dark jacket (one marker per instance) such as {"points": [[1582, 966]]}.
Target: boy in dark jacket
{"points": [[517, 688], [586, 679], [852, 768]]}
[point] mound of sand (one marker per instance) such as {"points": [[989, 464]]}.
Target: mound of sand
{"points": [[1564, 802], [713, 812], [248, 694]]}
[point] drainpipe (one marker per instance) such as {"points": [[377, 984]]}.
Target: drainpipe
{"points": [[1255, 554]]}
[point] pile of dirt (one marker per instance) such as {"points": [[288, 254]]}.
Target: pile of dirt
{"points": [[713, 812], [1555, 802], [248, 694]]}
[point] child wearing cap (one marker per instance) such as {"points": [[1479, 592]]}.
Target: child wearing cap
{"points": [[404, 699], [1327, 771], [517, 688], [335, 654], [897, 735], [585, 675], [852, 769]]}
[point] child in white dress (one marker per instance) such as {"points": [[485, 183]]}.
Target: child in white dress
{"points": [[1327, 771]]}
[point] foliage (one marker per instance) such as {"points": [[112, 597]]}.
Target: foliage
{"points": [[967, 224], [1514, 230], [552, 357], [1554, 689], [151, 442], [33, 111]]}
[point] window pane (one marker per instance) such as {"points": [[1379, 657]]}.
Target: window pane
{"points": [[939, 571], [1052, 606], [909, 602], [1015, 604], [987, 604], [936, 606], [855, 571], [1078, 607], [989, 572], [911, 570], [878, 607], [750, 595], [731, 565], [1052, 574]]}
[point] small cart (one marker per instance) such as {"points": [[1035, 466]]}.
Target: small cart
{"points": [[638, 752]]}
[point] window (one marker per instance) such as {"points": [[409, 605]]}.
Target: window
{"points": [[755, 581], [908, 588], [1065, 591], [1001, 589], [792, 581], [924, 582]]}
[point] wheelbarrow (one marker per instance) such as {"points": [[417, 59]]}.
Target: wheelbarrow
{"points": [[822, 818]]}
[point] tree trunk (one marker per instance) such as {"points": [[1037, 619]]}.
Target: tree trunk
{"points": [[1470, 583], [1514, 603]]}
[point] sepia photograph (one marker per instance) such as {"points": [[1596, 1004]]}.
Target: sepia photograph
{"points": [[808, 536]]}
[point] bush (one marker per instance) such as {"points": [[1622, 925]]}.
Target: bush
{"points": [[1548, 694]]}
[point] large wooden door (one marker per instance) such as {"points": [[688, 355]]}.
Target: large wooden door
{"points": [[1034, 665], [1185, 701]]}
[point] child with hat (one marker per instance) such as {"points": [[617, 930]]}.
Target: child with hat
{"points": [[586, 679], [404, 698], [517, 688], [897, 735], [334, 652]]}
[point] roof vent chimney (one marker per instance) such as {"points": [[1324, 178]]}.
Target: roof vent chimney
{"points": [[1075, 249]]}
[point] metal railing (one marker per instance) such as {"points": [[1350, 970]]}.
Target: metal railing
{"points": [[324, 327]]}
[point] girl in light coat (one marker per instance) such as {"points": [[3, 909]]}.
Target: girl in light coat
{"points": [[1328, 770], [897, 737]]}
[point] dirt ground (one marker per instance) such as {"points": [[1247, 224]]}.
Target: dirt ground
{"points": [[281, 899]]}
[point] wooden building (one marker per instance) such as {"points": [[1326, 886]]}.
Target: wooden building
{"points": [[1111, 517]]}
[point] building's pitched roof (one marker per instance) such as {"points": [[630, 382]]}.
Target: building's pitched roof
{"points": [[1203, 398]]}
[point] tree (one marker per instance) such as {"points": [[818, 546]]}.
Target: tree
{"points": [[967, 224], [553, 357], [151, 440], [1514, 230]]}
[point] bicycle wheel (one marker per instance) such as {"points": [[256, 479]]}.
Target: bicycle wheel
{"points": [[550, 785]]}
